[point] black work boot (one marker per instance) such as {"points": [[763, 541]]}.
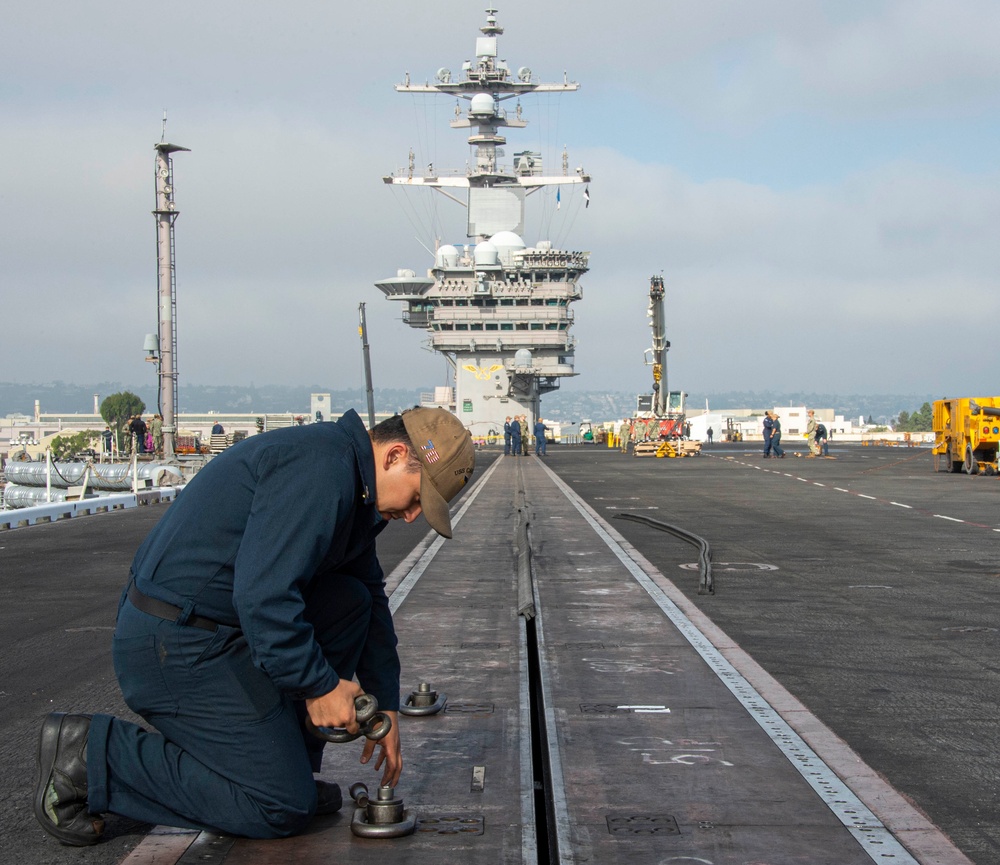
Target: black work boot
{"points": [[61, 796], [329, 798]]}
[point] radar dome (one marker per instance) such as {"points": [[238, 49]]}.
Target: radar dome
{"points": [[482, 105], [507, 243], [486, 255], [522, 358], [446, 256]]}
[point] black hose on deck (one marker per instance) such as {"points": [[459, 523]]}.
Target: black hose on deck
{"points": [[707, 582]]}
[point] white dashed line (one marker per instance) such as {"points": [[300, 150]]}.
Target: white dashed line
{"points": [[859, 495]]}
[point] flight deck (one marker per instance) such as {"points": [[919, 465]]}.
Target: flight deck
{"points": [[592, 712]]}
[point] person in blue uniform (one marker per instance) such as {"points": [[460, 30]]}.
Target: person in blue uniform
{"points": [[506, 437], [515, 436], [251, 606], [540, 430], [779, 451], [768, 434]]}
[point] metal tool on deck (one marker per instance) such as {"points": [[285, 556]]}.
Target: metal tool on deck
{"points": [[423, 701], [372, 723], [382, 817]]}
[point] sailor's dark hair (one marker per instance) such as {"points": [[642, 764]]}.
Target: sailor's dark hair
{"points": [[393, 430]]}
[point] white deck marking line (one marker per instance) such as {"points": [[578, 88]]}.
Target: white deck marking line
{"points": [[861, 495], [870, 833], [409, 571]]}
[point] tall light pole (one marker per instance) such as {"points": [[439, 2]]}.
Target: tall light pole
{"points": [[166, 289], [366, 355]]}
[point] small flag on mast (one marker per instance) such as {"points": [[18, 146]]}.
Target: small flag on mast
{"points": [[558, 198], [586, 196]]}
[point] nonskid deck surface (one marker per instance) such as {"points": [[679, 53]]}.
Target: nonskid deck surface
{"points": [[617, 725]]}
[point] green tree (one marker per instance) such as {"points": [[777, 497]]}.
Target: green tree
{"points": [[64, 447], [924, 419], [920, 421], [119, 407]]}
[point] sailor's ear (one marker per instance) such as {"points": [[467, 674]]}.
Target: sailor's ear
{"points": [[395, 453]]}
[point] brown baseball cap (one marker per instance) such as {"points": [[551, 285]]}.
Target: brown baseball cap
{"points": [[447, 459]]}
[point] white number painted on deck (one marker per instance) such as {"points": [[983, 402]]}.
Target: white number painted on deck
{"points": [[655, 751]]}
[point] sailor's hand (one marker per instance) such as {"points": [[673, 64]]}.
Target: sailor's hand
{"points": [[389, 753], [336, 707]]}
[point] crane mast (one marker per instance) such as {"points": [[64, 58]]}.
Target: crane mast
{"points": [[661, 345]]}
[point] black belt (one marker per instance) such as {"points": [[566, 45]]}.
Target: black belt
{"points": [[163, 610]]}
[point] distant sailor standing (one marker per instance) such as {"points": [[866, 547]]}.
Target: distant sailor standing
{"points": [[776, 435], [623, 437], [540, 430], [157, 427], [768, 433], [811, 436], [515, 437], [138, 430]]}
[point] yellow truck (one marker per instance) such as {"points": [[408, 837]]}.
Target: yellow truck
{"points": [[967, 434]]}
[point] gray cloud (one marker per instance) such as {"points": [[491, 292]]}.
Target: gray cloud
{"points": [[838, 280]]}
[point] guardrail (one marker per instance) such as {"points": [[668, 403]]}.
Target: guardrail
{"points": [[50, 513]]}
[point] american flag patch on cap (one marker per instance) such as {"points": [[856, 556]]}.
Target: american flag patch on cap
{"points": [[430, 452]]}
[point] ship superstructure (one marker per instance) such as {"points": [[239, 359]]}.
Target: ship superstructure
{"points": [[498, 309]]}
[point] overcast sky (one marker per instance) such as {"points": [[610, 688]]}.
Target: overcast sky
{"points": [[817, 181]]}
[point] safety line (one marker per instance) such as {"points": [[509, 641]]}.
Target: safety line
{"points": [[877, 841]]}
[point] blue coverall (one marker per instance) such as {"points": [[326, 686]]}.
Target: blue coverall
{"points": [[540, 429], [274, 538], [515, 438], [768, 431]]}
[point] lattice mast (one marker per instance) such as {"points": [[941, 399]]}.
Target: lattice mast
{"points": [[166, 290], [485, 84]]}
